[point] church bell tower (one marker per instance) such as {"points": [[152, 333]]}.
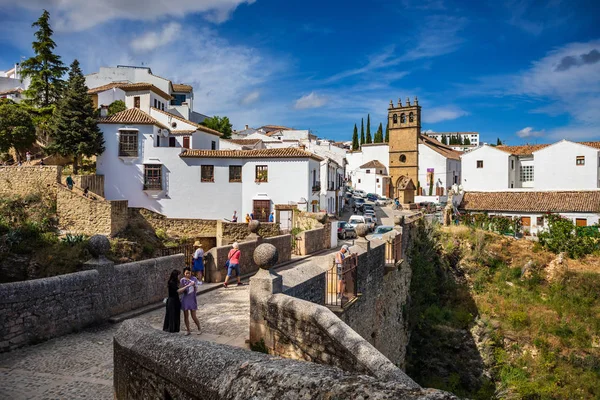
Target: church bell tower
{"points": [[405, 129]]}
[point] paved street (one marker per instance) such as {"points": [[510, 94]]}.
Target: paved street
{"points": [[80, 365]]}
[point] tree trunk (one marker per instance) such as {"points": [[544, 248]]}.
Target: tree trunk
{"points": [[75, 165]]}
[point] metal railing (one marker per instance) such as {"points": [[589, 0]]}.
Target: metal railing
{"points": [[341, 284], [186, 249], [316, 187], [393, 250]]}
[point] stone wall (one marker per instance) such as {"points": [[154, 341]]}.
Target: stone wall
{"points": [[89, 215], [306, 282], [151, 364], [178, 227], [40, 309], [214, 261], [25, 180], [312, 241], [229, 232]]}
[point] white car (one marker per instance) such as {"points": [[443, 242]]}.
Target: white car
{"points": [[359, 193], [382, 201], [371, 221], [356, 219]]}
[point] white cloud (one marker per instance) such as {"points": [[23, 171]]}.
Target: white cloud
{"points": [[528, 132], [312, 100], [77, 15], [250, 98], [429, 131], [152, 40], [446, 113]]}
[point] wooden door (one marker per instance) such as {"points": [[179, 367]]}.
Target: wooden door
{"points": [[581, 222], [526, 221], [262, 209], [136, 102], [186, 142]]}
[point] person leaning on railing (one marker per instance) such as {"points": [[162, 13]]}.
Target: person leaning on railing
{"points": [[339, 266]]}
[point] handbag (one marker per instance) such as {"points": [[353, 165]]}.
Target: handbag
{"points": [[227, 264]]}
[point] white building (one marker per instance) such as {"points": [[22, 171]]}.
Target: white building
{"points": [[466, 138], [372, 177], [563, 165], [160, 161], [11, 84], [180, 100]]}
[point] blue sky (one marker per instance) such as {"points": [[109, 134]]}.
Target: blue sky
{"points": [[521, 70]]}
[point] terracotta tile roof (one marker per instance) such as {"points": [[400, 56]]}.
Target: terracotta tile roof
{"points": [[180, 87], [524, 150], [11, 91], [405, 183], [270, 128], [272, 133], [183, 132], [373, 164], [440, 148], [131, 116], [244, 141], [559, 201], [287, 152], [130, 87], [106, 87], [200, 127], [595, 145]]}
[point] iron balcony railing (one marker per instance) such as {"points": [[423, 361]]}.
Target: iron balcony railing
{"points": [[342, 282], [316, 186], [154, 183], [186, 249]]}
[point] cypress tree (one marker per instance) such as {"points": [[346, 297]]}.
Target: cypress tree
{"points": [[369, 139], [45, 69], [387, 132], [75, 130], [498, 142], [355, 143], [362, 131], [444, 139], [379, 134], [467, 140]]}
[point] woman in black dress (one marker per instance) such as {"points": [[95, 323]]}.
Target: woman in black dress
{"points": [[173, 309]]}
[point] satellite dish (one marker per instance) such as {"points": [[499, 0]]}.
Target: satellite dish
{"points": [[173, 124]]}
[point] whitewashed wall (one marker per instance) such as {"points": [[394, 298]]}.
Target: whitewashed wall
{"points": [[493, 175], [555, 167]]}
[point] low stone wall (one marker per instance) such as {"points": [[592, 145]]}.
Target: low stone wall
{"points": [[40, 309], [25, 180], [192, 228], [312, 241], [89, 215], [214, 264], [304, 330], [306, 282], [151, 364], [229, 232]]}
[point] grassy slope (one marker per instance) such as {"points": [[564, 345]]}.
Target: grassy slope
{"points": [[483, 329]]}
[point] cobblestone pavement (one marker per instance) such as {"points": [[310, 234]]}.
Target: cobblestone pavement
{"points": [[80, 365]]}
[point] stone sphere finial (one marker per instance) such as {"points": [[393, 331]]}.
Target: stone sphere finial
{"points": [[321, 217], [399, 102], [266, 256], [254, 226], [98, 246], [362, 230], [391, 104], [408, 101]]}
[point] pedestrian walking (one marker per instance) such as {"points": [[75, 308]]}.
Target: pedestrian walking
{"points": [[272, 217], [189, 303], [28, 157], [234, 218], [86, 192], [248, 219], [251, 215], [198, 261], [70, 182], [42, 162], [233, 264], [339, 264], [173, 309]]}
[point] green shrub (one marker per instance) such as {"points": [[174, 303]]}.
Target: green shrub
{"points": [[563, 236], [72, 240]]}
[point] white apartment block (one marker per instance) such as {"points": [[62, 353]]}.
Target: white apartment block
{"points": [[467, 138]]}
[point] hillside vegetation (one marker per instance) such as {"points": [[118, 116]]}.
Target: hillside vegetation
{"points": [[495, 317]]}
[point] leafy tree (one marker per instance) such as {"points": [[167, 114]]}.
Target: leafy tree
{"points": [[116, 106], [387, 132], [379, 134], [16, 128], [369, 139], [220, 124], [45, 69], [355, 143], [444, 139], [75, 130], [362, 131]]}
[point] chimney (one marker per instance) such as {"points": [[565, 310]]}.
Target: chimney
{"points": [[246, 126], [103, 111]]}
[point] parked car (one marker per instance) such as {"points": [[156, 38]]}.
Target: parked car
{"points": [[359, 202], [371, 221], [369, 211], [372, 197], [380, 231], [345, 230], [355, 220], [359, 193], [368, 206], [382, 201]]}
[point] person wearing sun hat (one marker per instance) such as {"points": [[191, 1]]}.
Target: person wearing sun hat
{"points": [[198, 261]]}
